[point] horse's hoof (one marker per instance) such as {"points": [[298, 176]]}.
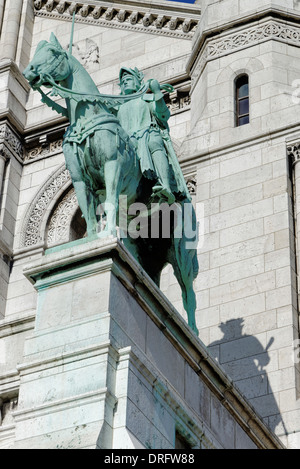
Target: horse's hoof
{"points": [[105, 234], [163, 194], [194, 329]]}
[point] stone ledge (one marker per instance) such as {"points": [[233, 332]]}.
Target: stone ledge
{"points": [[9, 384], [254, 28], [58, 406], [64, 358], [144, 16], [10, 326], [7, 436], [13, 104]]}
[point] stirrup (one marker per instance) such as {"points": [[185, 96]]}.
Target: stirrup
{"points": [[161, 191]]}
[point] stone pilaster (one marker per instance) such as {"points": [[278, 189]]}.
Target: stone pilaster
{"points": [[11, 158], [2, 167], [293, 151], [10, 29], [10, 174]]}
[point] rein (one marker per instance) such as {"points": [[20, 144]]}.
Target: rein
{"points": [[106, 99]]}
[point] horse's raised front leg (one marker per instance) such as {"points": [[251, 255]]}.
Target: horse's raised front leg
{"points": [[113, 184], [85, 197], [87, 203]]}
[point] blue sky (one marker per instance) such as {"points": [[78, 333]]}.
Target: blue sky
{"points": [[183, 1]]}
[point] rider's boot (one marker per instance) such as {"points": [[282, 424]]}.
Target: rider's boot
{"points": [[162, 188]]}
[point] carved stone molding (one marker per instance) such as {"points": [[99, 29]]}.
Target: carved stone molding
{"points": [[269, 29], [43, 151], [59, 225], [191, 183], [178, 101], [145, 17], [293, 152], [10, 143], [7, 407], [32, 232], [88, 55]]}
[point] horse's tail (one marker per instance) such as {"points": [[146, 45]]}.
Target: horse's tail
{"points": [[195, 241], [195, 265], [186, 239], [185, 244], [185, 262]]}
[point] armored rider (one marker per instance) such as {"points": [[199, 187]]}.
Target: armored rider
{"points": [[145, 120]]}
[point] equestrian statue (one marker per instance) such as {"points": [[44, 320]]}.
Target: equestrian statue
{"points": [[118, 148]]}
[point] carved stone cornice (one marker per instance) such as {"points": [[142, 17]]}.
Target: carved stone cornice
{"points": [[191, 182], [10, 143], [145, 16], [179, 100], [293, 152], [244, 37], [43, 151]]}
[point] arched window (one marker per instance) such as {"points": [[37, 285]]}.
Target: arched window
{"points": [[242, 100]]}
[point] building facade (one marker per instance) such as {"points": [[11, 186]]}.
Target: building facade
{"points": [[235, 69]]}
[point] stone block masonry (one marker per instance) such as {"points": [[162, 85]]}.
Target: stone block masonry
{"points": [[245, 190], [110, 356]]}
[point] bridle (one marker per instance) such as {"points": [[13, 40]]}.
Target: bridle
{"points": [[110, 101], [79, 96]]}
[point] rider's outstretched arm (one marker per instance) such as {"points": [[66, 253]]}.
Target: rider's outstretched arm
{"points": [[161, 109]]}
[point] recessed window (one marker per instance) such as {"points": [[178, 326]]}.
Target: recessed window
{"points": [[242, 100]]}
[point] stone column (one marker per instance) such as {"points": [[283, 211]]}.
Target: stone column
{"points": [[2, 167], [2, 3], [3, 277], [293, 151], [10, 29], [3, 266], [10, 152]]}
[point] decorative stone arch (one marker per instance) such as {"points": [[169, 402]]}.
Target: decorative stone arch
{"points": [[65, 222], [246, 65], [228, 76], [37, 216]]}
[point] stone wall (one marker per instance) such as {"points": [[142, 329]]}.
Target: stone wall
{"points": [[247, 287], [121, 370], [243, 180]]}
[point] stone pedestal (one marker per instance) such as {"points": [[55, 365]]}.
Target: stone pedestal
{"points": [[111, 364]]}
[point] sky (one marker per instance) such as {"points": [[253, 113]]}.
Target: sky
{"points": [[183, 1]]}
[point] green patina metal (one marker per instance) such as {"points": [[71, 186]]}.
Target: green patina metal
{"points": [[120, 145]]}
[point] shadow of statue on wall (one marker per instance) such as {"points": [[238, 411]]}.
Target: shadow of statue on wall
{"points": [[245, 359]]}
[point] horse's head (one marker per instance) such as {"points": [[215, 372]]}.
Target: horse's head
{"points": [[50, 63]]}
